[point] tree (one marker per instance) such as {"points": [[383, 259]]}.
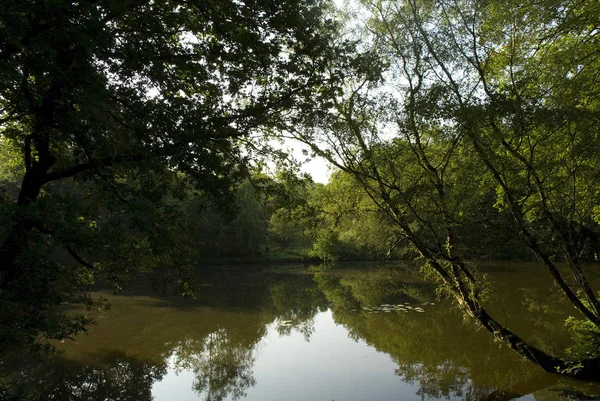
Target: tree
{"points": [[105, 100], [462, 101], [351, 226]]}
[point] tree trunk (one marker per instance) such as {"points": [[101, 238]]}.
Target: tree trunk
{"points": [[32, 184], [587, 369], [18, 237]]}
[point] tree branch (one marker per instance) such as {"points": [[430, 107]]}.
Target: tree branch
{"points": [[92, 165], [78, 258]]}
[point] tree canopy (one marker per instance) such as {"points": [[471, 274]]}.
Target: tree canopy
{"points": [[111, 113], [475, 117]]}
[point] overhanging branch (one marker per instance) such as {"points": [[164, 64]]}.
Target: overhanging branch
{"points": [[92, 165]]}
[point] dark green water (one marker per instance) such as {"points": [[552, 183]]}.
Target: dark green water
{"points": [[349, 334]]}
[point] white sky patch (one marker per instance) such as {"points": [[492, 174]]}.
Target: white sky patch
{"points": [[318, 168], [339, 3]]}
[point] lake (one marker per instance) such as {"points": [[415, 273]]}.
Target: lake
{"points": [[350, 333]]}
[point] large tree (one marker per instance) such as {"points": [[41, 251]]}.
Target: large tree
{"points": [[479, 115], [147, 93]]}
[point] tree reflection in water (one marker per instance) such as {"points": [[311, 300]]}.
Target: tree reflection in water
{"points": [[444, 357], [114, 377], [222, 364], [143, 339], [296, 301]]}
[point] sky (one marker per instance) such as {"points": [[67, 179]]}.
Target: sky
{"points": [[317, 167]]}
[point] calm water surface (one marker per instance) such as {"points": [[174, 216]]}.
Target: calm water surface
{"points": [[348, 334]]}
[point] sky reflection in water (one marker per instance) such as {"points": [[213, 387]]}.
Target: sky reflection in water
{"points": [[258, 335], [330, 366]]}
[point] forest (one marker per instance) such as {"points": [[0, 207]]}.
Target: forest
{"points": [[145, 138]]}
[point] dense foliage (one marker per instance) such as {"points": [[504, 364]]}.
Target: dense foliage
{"points": [[479, 117], [113, 113]]}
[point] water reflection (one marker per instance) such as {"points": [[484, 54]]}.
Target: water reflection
{"points": [[115, 376], [222, 364], [298, 335]]}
